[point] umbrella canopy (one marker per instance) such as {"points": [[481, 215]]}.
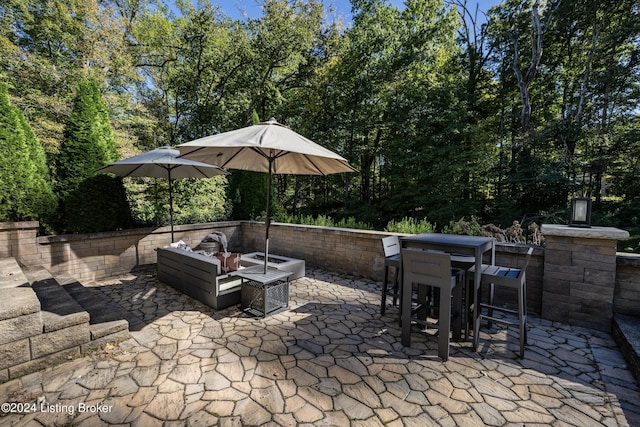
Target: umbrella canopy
{"points": [[263, 147], [266, 147], [163, 162]]}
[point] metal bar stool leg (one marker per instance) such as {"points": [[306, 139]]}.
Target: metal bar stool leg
{"points": [[383, 304]]}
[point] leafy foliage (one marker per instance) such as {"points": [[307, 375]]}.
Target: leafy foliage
{"points": [[247, 191], [200, 200], [99, 203], [443, 117], [25, 188], [410, 225], [324, 221], [88, 202]]}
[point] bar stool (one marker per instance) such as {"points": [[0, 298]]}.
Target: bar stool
{"points": [[506, 277], [430, 269], [391, 247], [463, 263], [459, 264]]}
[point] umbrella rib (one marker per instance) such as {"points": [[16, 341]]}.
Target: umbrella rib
{"points": [[315, 166], [172, 167], [190, 152], [204, 175], [261, 152], [168, 168], [224, 165], [133, 171]]}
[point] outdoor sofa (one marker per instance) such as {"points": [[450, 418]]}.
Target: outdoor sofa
{"points": [[198, 276]]}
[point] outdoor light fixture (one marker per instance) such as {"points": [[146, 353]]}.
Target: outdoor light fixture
{"points": [[580, 212]]}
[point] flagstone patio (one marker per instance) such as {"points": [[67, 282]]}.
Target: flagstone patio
{"points": [[331, 359]]}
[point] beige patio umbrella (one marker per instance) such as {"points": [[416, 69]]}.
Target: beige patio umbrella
{"points": [[266, 147], [163, 162]]}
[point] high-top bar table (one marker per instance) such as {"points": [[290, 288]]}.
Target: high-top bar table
{"points": [[452, 243]]}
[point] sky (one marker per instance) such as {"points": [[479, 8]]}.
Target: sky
{"points": [[238, 9]]}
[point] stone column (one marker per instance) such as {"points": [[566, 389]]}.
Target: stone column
{"points": [[18, 239], [580, 274]]}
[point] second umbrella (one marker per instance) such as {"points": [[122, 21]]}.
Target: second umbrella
{"points": [[163, 162]]}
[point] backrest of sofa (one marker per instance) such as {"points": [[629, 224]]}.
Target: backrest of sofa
{"points": [[196, 256]]}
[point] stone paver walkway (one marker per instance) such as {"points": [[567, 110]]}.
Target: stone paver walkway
{"points": [[331, 360]]}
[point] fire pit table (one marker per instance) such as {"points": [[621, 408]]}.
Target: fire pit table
{"points": [[263, 294], [295, 266]]}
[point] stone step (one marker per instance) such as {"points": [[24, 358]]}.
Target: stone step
{"points": [[65, 295], [11, 275], [59, 309], [107, 317], [110, 312], [626, 332], [18, 299]]}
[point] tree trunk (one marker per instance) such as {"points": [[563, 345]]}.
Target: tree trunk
{"points": [[524, 80]]}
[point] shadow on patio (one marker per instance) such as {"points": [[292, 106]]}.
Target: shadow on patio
{"points": [[331, 359]]}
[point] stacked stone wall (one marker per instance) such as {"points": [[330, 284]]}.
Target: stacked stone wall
{"points": [[17, 239], [579, 273], [99, 255], [28, 343], [357, 252], [360, 252], [626, 298], [20, 320]]}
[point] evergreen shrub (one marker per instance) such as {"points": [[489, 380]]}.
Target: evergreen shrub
{"points": [[87, 210], [25, 186]]}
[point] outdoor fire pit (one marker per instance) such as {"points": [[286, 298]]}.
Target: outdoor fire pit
{"points": [[263, 294], [283, 263]]}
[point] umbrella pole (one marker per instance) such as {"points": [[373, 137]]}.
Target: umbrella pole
{"points": [[268, 219], [170, 203]]}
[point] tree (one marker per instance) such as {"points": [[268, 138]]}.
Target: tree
{"points": [[394, 99], [25, 186], [88, 139], [595, 63], [89, 203], [531, 168], [500, 121], [47, 46]]}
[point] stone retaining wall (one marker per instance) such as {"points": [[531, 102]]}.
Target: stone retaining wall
{"points": [[27, 342], [580, 275], [358, 252], [99, 255], [626, 298]]}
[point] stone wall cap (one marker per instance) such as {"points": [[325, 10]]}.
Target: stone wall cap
{"points": [[19, 225], [627, 259], [586, 233], [133, 232]]}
